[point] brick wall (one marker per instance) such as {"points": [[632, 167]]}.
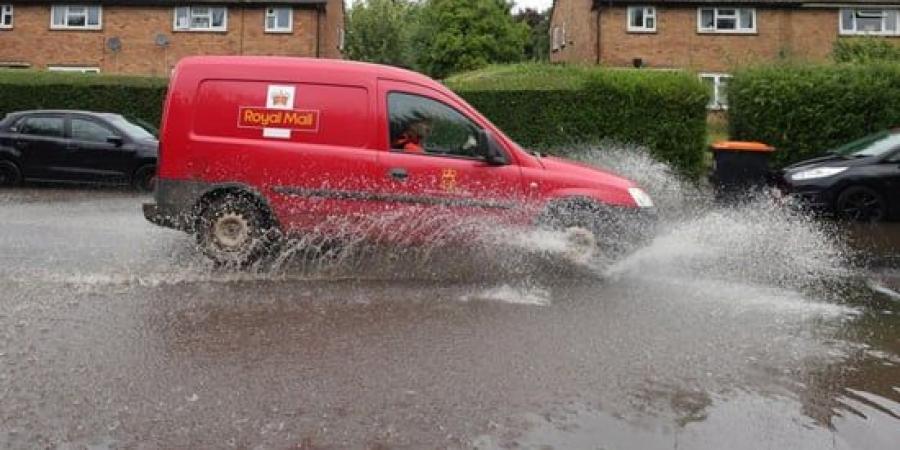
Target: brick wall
{"points": [[804, 34], [796, 33], [32, 41], [580, 24]]}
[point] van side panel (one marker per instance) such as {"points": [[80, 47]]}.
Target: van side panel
{"points": [[322, 114]]}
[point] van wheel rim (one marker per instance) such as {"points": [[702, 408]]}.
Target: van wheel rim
{"points": [[231, 231]]}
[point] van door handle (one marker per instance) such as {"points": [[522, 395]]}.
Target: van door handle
{"points": [[398, 173]]}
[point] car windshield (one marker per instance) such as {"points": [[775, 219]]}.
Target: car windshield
{"points": [[872, 145], [140, 130]]}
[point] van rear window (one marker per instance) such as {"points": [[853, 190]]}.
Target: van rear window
{"points": [[283, 111]]}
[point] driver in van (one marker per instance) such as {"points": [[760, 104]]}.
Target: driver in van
{"points": [[410, 140]]}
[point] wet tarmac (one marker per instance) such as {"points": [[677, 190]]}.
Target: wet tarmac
{"points": [[730, 330]]}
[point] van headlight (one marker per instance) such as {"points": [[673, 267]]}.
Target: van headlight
{"points": [[818, 172], [640, 197]]}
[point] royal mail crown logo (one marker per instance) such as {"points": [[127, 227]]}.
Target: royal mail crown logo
{"points": [[280, 97]]}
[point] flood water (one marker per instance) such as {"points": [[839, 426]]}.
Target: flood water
{"points": [[737, 327]]}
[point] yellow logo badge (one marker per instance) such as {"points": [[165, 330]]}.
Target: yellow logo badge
{"points": [[448, 179]]}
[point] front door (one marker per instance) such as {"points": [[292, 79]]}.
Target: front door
{"points": [[437, 178], [91, 156]]}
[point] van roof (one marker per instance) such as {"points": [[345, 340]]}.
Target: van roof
{"points": [[328, 69]]}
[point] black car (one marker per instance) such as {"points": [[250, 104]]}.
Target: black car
{"points": [[76, 146], [857, 181]]}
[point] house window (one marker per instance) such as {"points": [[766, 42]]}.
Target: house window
{"points": [[726, 20], [342, 39], [76, 69], [201, 18], [868, 21], [76, 17], [558, 38], [6, 16], [642, 19], [279, 20], [718, 89]]}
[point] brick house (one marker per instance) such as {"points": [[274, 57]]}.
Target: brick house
{"points": [[711, 36], [147, 37]]}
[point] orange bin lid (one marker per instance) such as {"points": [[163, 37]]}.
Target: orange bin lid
{"points": [[741, 146]]}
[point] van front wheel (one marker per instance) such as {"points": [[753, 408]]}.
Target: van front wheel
{"points": [[231, 231]]}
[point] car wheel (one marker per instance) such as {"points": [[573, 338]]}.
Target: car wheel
{"points": [[10, 175], [144, 179], [233, 232], [860, 204]]}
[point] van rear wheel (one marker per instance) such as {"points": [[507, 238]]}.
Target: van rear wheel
{"points": [[232, 231]]}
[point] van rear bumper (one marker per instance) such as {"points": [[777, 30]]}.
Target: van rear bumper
{"points": [[175, 204], [157, 216]]}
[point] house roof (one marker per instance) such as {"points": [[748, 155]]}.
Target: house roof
{"points": [[179, 2], [600, 3]]}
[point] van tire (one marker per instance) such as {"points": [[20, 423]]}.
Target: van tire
{"points": [[233, 231], [144, 179], [580, 219], [10, 175]]}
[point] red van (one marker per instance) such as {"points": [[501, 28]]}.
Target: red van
{"points": [[255, 148]]}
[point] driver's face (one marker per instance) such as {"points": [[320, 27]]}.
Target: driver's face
{"points": [[421, 129]]}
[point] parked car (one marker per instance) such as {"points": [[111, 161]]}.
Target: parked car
{"points": [[258, 146], [76, 146], [857, 181]]}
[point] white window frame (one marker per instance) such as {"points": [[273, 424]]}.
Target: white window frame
{"points": [[884, 22], [649, 13], [558, 38], [342, 38], [715, 103], [737, 20], [66, 15], [6, 10], [209, 14], [76, 69], [272, 12]]}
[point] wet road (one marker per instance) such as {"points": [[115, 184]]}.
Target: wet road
{"points": [[734, 329]]}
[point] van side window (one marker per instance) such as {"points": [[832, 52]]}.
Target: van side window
{"points": [[422, 125]]}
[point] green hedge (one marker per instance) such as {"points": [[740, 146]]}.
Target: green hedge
{"points": [[541, 106], [547, 107], [865, 50], [805, 110], [137, 97]]}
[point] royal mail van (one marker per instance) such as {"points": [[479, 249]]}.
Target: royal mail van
{"points": [[256, 148]]}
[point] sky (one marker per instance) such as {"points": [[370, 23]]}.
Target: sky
{"points": [[537, 4]]}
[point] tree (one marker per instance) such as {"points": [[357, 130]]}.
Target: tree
{"points": [[380, 31], [538, 46], [459, 35]]}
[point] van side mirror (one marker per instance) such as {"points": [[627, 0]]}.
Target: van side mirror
{"points": [[115, 140], [490, 150]]}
